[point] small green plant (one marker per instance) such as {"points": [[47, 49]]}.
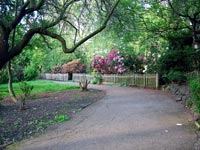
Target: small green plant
{"points": [[61, 118], [1, 122], [97, 78], [195, 93], [46, 123], [26, 91], [189, 103]]}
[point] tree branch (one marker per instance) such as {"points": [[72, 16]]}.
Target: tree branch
{"points": [[66, 5], [179, 14], [17, 49], [55, 36], [23, 11], [96, 31]]}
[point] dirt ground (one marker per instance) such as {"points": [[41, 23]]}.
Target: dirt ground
{"points": [[40, 113]]}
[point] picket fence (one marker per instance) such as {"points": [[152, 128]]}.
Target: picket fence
{"points": [[141, 80]]}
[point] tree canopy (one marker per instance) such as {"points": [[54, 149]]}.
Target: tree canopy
{"points": [[151, 29], [20, 20]]}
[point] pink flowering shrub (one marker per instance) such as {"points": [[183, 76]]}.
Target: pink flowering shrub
{"points": [[112, 64]]}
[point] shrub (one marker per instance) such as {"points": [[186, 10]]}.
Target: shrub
{"points": [[97, 78], [3, 76], [176, 77], [75, 66], [112, 64], [195, 93], [30, 72], [26, 91]]}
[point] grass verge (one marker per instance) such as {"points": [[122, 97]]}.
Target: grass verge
{"points": [[39, 86]]}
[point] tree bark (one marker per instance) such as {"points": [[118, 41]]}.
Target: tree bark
{"points": [[10, 87]]}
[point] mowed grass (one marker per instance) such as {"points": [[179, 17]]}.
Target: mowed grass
{"points": [[39, 86]]}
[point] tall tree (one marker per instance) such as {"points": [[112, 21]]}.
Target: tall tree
{"points": [[49, 18], [188, 10]]}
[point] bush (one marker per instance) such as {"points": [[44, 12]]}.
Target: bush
{"points": [[3, 76], [30, 73], [26, 91], [176, 60], [176, 77], [195, 93], [112, 64], [75, 66], [97, 78]]}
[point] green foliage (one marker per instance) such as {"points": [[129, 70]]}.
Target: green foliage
{"points": [[30, 73], [3, 76], [176, 77], [46, 123], [97, 78], [177, 59], [1, 122], [61, 118], [173, 62], [25, 88], [26, 91], [195, 93]]}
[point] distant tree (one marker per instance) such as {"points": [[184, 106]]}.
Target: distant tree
{"points": [[50, 18]]}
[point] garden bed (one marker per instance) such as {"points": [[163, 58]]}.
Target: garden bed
{"points": [[44, 112]]}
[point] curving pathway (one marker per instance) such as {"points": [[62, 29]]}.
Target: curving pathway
{"points": [[126, 119]]}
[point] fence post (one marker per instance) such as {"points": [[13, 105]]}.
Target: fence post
{"points": [[134, 80], [145, 80], [157, 80], [114, 79]]}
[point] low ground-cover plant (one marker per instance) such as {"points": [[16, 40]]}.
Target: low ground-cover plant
{"points": [[61, 118], [195, 93]]}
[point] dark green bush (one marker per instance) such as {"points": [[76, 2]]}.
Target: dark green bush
{"points": [[3, 76], [174, 61], [177, 77], [195, 93]]}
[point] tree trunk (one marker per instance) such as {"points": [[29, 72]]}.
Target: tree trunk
{"points": [[10, 87], [84, 85]]}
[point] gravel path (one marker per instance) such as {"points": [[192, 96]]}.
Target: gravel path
{"points": [[126, 119]]}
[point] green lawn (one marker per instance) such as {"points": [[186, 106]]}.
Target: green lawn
{"points": [[39, 86]]}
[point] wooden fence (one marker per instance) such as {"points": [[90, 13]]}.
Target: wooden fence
{"points": [[141, 80]]}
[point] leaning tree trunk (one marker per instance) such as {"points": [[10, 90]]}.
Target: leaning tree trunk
{"points": [[10, 87], [10, 78]]}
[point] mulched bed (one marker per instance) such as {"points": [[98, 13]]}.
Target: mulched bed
{"points": [[40, 113]]}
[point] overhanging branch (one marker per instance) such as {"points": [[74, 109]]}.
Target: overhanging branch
{"points": [[103, 26]]}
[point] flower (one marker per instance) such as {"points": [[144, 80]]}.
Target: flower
{"points": [[113, 63]]}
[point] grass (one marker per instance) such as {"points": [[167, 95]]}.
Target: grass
{"points": [[39, 86]]}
